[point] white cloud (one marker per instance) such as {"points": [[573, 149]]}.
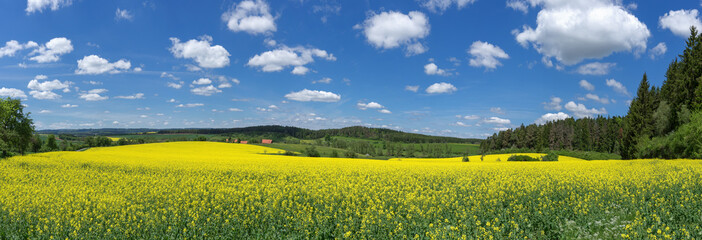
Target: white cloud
{"points": [[44, 111], [123, 14], [572, 31], [205, 91], [12, 46], [68, 105], [442, 87], [414, 88], [442, 5], [617, 86], [202, 51], [486, 55], [680, 21], [658, 50], [497, 110], [597, 98], [580, 111], [596, 68], [192, 68], [392, 29], [175, 85], [550, 117], [496, 120], [432, 69], [253, 17], [313, 95], [169, 75], [462, 124], [190, 105], [278, 59], [44, 90], [586, 85], [518, 5], [202, 81], [325, 80], [372, 105], [235, 110], [12, 93], [471, 117], [172, 100], [50, 51], [94, 64], [39, 5], [225, 85], [132, 97], [384, 111], [94, 95]]}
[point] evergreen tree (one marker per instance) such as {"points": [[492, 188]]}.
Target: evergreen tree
{"points": [[638, 121]]}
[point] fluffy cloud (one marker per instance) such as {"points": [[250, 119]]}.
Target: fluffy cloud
{"points": [[442, 87], [372, 105], [550, 117], [50, 51], [414, 88], [39, 5], [313, 95], [12, 46], [278, 59], [68, 105], [658, 50], [587, 85], [190, 105], [471, 117], [235, 110], [202, 51], [597, 98], [486, 55], [680, 21], [518, 5], [432, 69], [617, 86], [442, 5], [45, 90], [175, 85], [202, 81], [132, 97], [595, 68], [496, 120], [94, 95], [12, 93], [205, 91], [384, 111], [325, 80], [94, 64], [580, 111], [123, 14], [572, 31], [392, 29], [253, 17]]}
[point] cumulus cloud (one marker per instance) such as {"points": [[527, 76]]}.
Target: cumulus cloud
{"points": [[658, 50], [202, 81], [384, 111], [680, 21], [253, 17], [496, 120], [433, 69], [617, 86], [587, 85], [518, 5], [278, 59], [50, 51], [597, 98], [550, 117], [325, 80], [572, 31], [123, 14], [13, 46], [371, 105], [175, 85], [45, 90], [205, 91], [94, 95], [471, 117], [68, 105], [392, 29], [40, 5], [12, 93], [313, 95], [414, 88], [442, 5], [190, 105], [486, 55], [201, 51], [554, 104], [596, 68], [442, 87], [235, 110], [132, 97], [94, 64], [580, 111]]}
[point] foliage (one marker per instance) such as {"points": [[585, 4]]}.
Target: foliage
{"points": [[522, 158], [16, 127], [550, 157], [312, 152], [51, 143], [350, 154], [465, 159]]}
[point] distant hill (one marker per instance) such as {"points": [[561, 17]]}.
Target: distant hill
{"points": [[280, 132]]}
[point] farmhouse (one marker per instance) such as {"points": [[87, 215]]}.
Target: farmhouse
{"points": [[266, 141], [244, 142]]}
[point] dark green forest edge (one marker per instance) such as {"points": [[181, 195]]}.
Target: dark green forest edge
{"points": [[662, 122]]}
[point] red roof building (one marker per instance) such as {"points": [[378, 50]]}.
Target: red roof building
{"points": [[244, 142], [266, 141]]}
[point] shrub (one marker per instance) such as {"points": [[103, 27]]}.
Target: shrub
{"points": [[289, 153], [350, 154], [521, 158], [550, 157], [465, 159], [312, 152]]}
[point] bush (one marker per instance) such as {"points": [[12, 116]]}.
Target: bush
{"points": [[350, 154], [521, 158], [465, 159], [550, 157], [312, 152], [289, 153]]}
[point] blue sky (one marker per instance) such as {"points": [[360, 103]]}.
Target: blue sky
{"points": [[465, 68]]}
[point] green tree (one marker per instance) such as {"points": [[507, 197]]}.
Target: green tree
{"points": [[51, 143], [662, 118], [16, 128], [638, 121]]}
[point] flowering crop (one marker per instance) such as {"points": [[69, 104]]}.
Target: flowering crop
{"points": [[232, 191]]}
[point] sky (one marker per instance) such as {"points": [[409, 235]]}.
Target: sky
{"points": [[463, 68]]}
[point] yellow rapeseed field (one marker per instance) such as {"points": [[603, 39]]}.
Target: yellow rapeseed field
{"points": [[234, 191]]}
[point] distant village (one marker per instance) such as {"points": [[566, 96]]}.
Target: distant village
{"points": [[263, 141]]}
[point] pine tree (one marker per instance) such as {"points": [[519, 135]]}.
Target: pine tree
{"points": [[639, 120]]}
